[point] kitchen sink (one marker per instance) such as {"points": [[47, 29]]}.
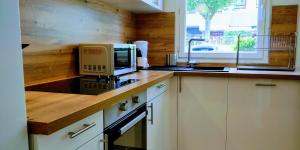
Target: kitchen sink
{"points": [[180, 68]]}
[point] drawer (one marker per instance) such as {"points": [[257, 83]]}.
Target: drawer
{"points": [[157, 89], [96, 143], [62, 140]]}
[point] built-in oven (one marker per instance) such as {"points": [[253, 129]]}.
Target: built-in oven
{"points": [[128, 130]]}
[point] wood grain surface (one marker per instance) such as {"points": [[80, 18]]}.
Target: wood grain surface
{"points": [[159, 30], [284, 19], [54, 28], [284, 22], [49, 112]]}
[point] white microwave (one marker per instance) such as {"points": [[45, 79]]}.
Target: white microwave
{"points": [[107, 59]]}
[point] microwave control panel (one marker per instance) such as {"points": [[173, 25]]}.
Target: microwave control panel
{"points": [[96, 59]]}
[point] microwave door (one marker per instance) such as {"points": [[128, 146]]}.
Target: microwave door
{"points": [[122, 58]]}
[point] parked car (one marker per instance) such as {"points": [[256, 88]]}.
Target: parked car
{"points": [[203, 47]]}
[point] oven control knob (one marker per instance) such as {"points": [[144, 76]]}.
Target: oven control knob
{"points": [[135, 99], [123, 106]]}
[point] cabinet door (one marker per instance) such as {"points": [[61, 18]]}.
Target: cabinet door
{"points": [[202, 108], [263, 115], [162, 121], [94, 144]]}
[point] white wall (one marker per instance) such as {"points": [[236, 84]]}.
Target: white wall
{"points": [[13, 128], [169, 5], [284, 2]]}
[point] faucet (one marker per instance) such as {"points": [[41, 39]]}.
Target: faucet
{"points": [[189, 62]]}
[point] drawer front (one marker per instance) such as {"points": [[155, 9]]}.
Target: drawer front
{"points": [[157, 89], [71, 137], [96, 143]]}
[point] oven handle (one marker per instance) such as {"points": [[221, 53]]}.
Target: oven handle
{"points": [[105, 142], [132, 123]]}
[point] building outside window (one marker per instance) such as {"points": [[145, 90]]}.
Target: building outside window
{"points": [[220, 23], [240, 4]]}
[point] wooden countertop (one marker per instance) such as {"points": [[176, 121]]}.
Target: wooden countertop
{"points": [[234, 73], [50, 112]]}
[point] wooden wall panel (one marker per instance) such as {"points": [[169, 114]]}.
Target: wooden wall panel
{"points": [[284, 19], [159, 30], [284, 22], [54, 28]]}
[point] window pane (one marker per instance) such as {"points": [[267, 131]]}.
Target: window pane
{"points": [[219, 23]]}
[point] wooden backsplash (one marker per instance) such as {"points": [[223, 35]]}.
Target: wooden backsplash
{"points": [[284, 22], [53, 28], [159, 30], [284, 19]]}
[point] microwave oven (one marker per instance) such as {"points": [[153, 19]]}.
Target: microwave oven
{"points": [[107, 59]]}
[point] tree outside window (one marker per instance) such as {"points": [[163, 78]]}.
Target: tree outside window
{"points": [[220, 23]]}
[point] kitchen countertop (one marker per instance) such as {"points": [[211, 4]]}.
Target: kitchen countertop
{"points": [[50, 112], [234, 73]]}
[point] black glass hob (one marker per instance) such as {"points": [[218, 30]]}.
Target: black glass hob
{"points": [[82, 85]]}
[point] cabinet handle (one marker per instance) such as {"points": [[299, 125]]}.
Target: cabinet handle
{"points": [[151, 109], [105, 141], [262, 84], [180, 84], [85, 128], [161, 86], [132, 123]]}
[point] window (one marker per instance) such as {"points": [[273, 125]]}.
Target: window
{"points": [[220, 28], [240, 4]]}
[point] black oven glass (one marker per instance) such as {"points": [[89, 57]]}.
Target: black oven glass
{"points": [[122, 58], [132, 139]]}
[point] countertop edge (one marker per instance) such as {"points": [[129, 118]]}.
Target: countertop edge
{"points": [[244, 74], [35, 127], [47, 128]]}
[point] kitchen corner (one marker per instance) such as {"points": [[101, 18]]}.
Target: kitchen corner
{"points": [[49, 112]]}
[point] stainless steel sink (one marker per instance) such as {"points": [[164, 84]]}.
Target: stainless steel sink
{"points": [[210, 69], [178, 68]]}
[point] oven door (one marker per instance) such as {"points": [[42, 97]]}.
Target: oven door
{"points": [[124, 60], [128, 133]]}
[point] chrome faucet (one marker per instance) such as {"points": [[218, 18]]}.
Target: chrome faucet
{"points": [[189, 62]]}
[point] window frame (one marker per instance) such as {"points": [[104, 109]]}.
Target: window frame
{"points": [[242, 5], [264, 23]]}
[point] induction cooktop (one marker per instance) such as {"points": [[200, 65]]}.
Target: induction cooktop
{"points": [[82, 85]]}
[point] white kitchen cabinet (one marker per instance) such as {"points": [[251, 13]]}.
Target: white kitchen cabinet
{"points": [[202, 107], [71, 137], [263, 114], [138, 6], [94, 144], [162, 116]]}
